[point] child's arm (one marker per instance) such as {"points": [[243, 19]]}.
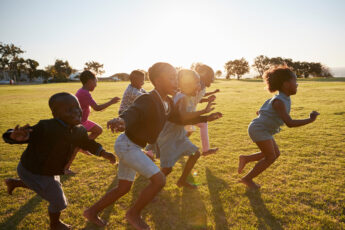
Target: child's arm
{"points": [[18, 135], [210, 93], [191, 118], [135, 114], [279, 107], [208, 99], [97, 107], [185, 115], [94, 147]]}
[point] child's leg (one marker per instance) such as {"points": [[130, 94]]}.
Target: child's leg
{"points": [[146, 196], [166, 171], [205, 140], [243, 160], [109, 198], [11, 184], [95, 131], [56, 223], [267, 148], [187, 169]]}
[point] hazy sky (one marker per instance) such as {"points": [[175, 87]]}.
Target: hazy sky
{"points": [[125, 35]]}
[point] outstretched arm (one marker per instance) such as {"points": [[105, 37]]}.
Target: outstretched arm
{"points": [[212, 92], [100, 107], [185, 115], [279, 107], [18, 135]]}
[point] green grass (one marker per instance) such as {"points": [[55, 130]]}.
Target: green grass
{"points": [[304, 189]]}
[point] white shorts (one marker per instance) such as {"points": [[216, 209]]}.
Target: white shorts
{"points": [[132, 160]]}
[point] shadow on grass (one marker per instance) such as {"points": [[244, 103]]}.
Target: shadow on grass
{"points": [[265, 217], [107, 211], [13, 221], [215, 186]]}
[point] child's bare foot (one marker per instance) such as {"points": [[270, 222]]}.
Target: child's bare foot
{"points": [[93, 218], [136, 221], [69, 172], [250, 184], [186, 184], [210, 151], [10, 184], [60, 226], [241, 163]]}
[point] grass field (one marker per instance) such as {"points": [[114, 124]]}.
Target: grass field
{"points": [[304, 189]]}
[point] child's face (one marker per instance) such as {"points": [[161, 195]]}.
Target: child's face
{"points": [[190, 87], [69, 111], [138, 82], [167, 82], [207, 79], [91, 84], [292, 85]]}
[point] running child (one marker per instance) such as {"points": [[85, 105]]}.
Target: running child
{"points": [[273, 114], [134, 90], [89, 81], [173, 142], [48, 151], [142, 122]]}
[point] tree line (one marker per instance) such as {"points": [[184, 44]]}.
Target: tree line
{"points": [[12, 63], [239, 67]]}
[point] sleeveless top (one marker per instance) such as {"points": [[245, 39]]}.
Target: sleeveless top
{"points": [[268, 117]]}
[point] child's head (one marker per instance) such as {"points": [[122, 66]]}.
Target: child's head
{"points": [[281, 78], [65, 107], [206, 74], [163, 77], [188, 82], [137, 79], [88, 79]]}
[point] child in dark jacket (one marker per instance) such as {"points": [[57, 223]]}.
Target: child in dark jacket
{"points": [[50, 146]]}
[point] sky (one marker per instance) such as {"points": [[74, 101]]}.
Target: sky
{"points": [[125, 35]]}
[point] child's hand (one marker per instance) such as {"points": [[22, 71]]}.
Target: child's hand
{"points": [[116, 125], [258, 113], [211, 98], [108, 156], [214, 116], [217, 91], [313, 115], [209, 107], [21, 133], [115, 100]]}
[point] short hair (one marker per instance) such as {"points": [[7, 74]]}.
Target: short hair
{"points": [[158, 69], [86, 75], [276, 76], [56, 98], [204, 71], [136, 74]]}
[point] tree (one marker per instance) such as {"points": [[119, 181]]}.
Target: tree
{"points": [[60, 71], [10, 60], [31, 68], [63, 69], [237, 68], [95, 67], [218, 73], [195, 65], [261, 64]]}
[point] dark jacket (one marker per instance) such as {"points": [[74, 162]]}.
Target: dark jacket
{"points": [[145, 118], [51, 145]]}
